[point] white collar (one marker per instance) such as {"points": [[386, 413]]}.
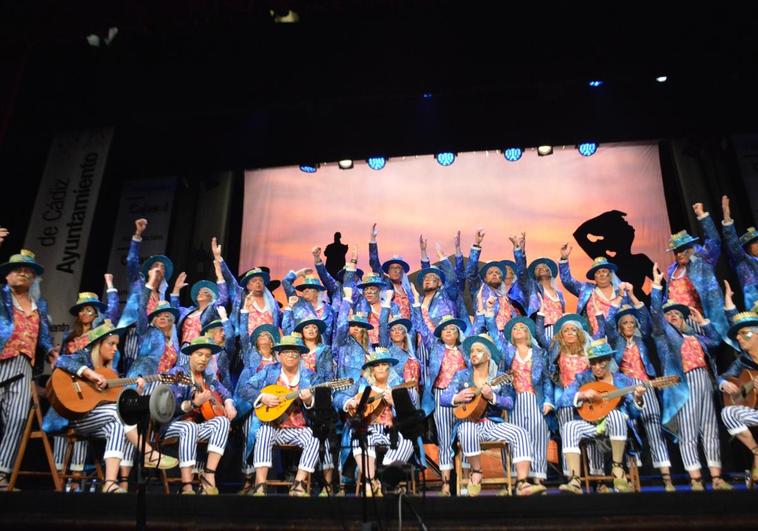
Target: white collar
{"points": [[293, 383], [17, 304], [528, 356]]}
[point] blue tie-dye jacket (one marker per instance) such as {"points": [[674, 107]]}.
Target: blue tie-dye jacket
{"points": [[744, 264]]}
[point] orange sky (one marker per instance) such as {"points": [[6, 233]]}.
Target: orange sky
{"points": [[287, 211]]}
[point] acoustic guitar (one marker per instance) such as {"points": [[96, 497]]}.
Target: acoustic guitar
{"points": [[611, 396], [270, 414], [475, 409], [213, 407], [375, 398], [747, 395], [73, 397]]}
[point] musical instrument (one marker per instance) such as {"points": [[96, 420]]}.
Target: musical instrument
{"points": [[213, 407], [748, 394], [73, 397], [375, 398], [611, 396], [475, 409], [286, 396]]}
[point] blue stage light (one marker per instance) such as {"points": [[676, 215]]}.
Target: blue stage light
{"points": [[376, 163], [309, 168], [513, 154], [446, 158], [587, 149], [596, 83]]}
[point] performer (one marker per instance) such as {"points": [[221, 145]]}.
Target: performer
{"points": [[743, 255], [309, 304], [614, 425], [738, 419], [482, 371], [221, 333], [396, 272], [345, 277], [395, 335], [686, 354], [439, 288], [381, 377], [374, 293], [161, 266], [291, 428], [543, 294], [353, 347]]}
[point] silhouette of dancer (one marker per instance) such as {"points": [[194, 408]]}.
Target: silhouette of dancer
{"points": [[335, 254], [611, 236]]}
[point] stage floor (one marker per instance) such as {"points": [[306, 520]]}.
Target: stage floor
{"points": [[649, 510]]}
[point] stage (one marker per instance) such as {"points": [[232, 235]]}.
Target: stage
{"points": [[680, 510]]}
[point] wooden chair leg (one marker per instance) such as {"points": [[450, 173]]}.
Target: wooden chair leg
{"points": [[21, 451], [164, 480], [458, 460], [509, 465]]}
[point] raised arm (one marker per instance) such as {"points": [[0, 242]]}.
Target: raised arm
{"points": [[373, 251], [111, 295], [568, 281], [711, 238]]}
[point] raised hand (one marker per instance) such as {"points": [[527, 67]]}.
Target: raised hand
{"points": [[657, 275], [514, 241], [566, 251], [479, 236], [293, 300], [491, 303], [139, 226], [440, 252], [180, 283], [152, 278], [303, 272], [522, 241], [216, 249], [347, 293], [387, 296], [457, 243], [696, 315], [728, 294], [422, 244], [316, 252], [3, 234], [374, 233], [353, 253], [725, 209], [108, 280], [699, 209], [222, 313]]}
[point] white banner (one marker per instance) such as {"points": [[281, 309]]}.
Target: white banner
{"points": [[152, 200], [60, 224]]}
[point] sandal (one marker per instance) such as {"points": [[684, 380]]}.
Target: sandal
{"points": [[298, 489], [110, 486], [524, 488], [668, 485], [123, 482], [719, 483], [445, 491], [189, 492], [696, 484], [376, 488], [259, 489], [247, 485], [162, 462], [572, 486], [474, 489], [620, 484], [754, 470], [206, 487]]}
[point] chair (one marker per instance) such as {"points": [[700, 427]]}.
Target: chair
{"points": [[587, 477], [288, 448], [71, 439], [491, 450], [409, 484]]}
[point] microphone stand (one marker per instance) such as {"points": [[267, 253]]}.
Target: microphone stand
{"points": [[360, 433]]}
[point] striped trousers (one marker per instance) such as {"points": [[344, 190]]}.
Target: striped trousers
{"points": [[471, 434], [595, 456], [526, 414], [651, 420], [576, 430], [78, 455], [215, 431], [444, 420], [103, 422], [15, 401], [698, 418], [268, 436], [379, 435], [738, 418]]}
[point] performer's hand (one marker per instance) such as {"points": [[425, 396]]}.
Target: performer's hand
{"points": [[729, 388], [304, 271], [514, 241], [639, 392], [306, 396], [347, 293], [487, 392], [108, 280], [522, 241], [565, 251], [139, 226], [54, 355], [387, 397], [98, 379], [374, 233], [725, 209], [181, 282], [457, 243], [479, 236], [201, 398], [387, 296], [699, 210], [316, 252], [491, 303], [352, 404], [422, 244], [696, 315], [3, 234], [229, 410], [353, 253], [140, 384], [216, 249], [657, 275], [270, 400], [463, 397], [590, 395], [728, 294], [546, 409], [222, 313]]}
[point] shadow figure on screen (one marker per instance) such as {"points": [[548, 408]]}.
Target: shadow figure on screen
{"points": [[611, 236], [335, 254]]}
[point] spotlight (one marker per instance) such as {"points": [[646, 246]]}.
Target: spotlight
{"points": [[284, 17], [662, 79], [95, 40], [345, 164], [513, 154], [587, 149], [376, 163], [544, 151], [427, 95], [309, 168], [596, 83], [446, 158]]}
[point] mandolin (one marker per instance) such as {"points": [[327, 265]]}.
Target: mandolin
{"points": [[475, 409], [375, 399], [213, 407], [72, 396], [611, 396], [287, 396], [747, 395]]}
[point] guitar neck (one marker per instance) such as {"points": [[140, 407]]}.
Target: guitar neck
{"points": [[652, 384], [119, 382], [295, 394]]}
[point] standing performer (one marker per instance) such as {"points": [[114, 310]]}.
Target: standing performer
{"points": [[743, 255], [542, 293], [351, 340], [310, 304], [396, 272], [161, 266]]}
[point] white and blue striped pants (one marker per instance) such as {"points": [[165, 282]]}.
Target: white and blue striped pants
{"points": [[595, 456], [268, 436], [15, 401], [698, 417], [576, 430], [471, 434], [379, 435], [103, 422], [738, 418], [215, 431], [78, 455], [526, 414], [444, 420], [651, 420]]}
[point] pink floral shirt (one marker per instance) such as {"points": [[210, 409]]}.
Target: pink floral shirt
{"points": [[552, 310], [631, 363], [23, 340], [78, 343], [452, 362], [682, 291], [168, 360], [571, 365], [191, 327], [693, 356], [403, 303], [522, 374], [597, 304]]}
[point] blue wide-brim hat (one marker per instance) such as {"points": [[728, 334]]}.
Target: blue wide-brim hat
{"points": [[340, 276], [681, 240], [571, 317], [167, 263], [599, 349], [290, 342], [626, 310], [742, 320], [600, 263], [197, 286], [547, 261], [449, 320], [25, 258], [87, 299], [683, 308], [310, 282], [485, 340], [427, 271], [163, 306], [218, 323], [749, 237], [201, 342], [255, 272], [380, 355], [260, 329], [395, 260], [511, 264], [360, 320], [99, 333], [495, 263], [305, 322], [373, 280], [513, 322], [400, 320]]}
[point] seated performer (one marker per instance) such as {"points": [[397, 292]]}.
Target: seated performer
{"points": [[379, 374], [737, 419], [615, 424], [291, 427], [480, 372], [192, 424]]}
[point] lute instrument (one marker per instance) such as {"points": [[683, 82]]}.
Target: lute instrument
{"points": [[213, 407], [596, 410], [748, 394], [286, 396], [375, 398], [475, 409]]}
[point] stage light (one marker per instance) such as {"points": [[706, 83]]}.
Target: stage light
{"points": [[587, 149], [544, 151], [345, 164], [513, 154], [662, 79], [309, 168], [427, 95], [596, 83], [376, 163], [446, 158], [283, 16]]}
